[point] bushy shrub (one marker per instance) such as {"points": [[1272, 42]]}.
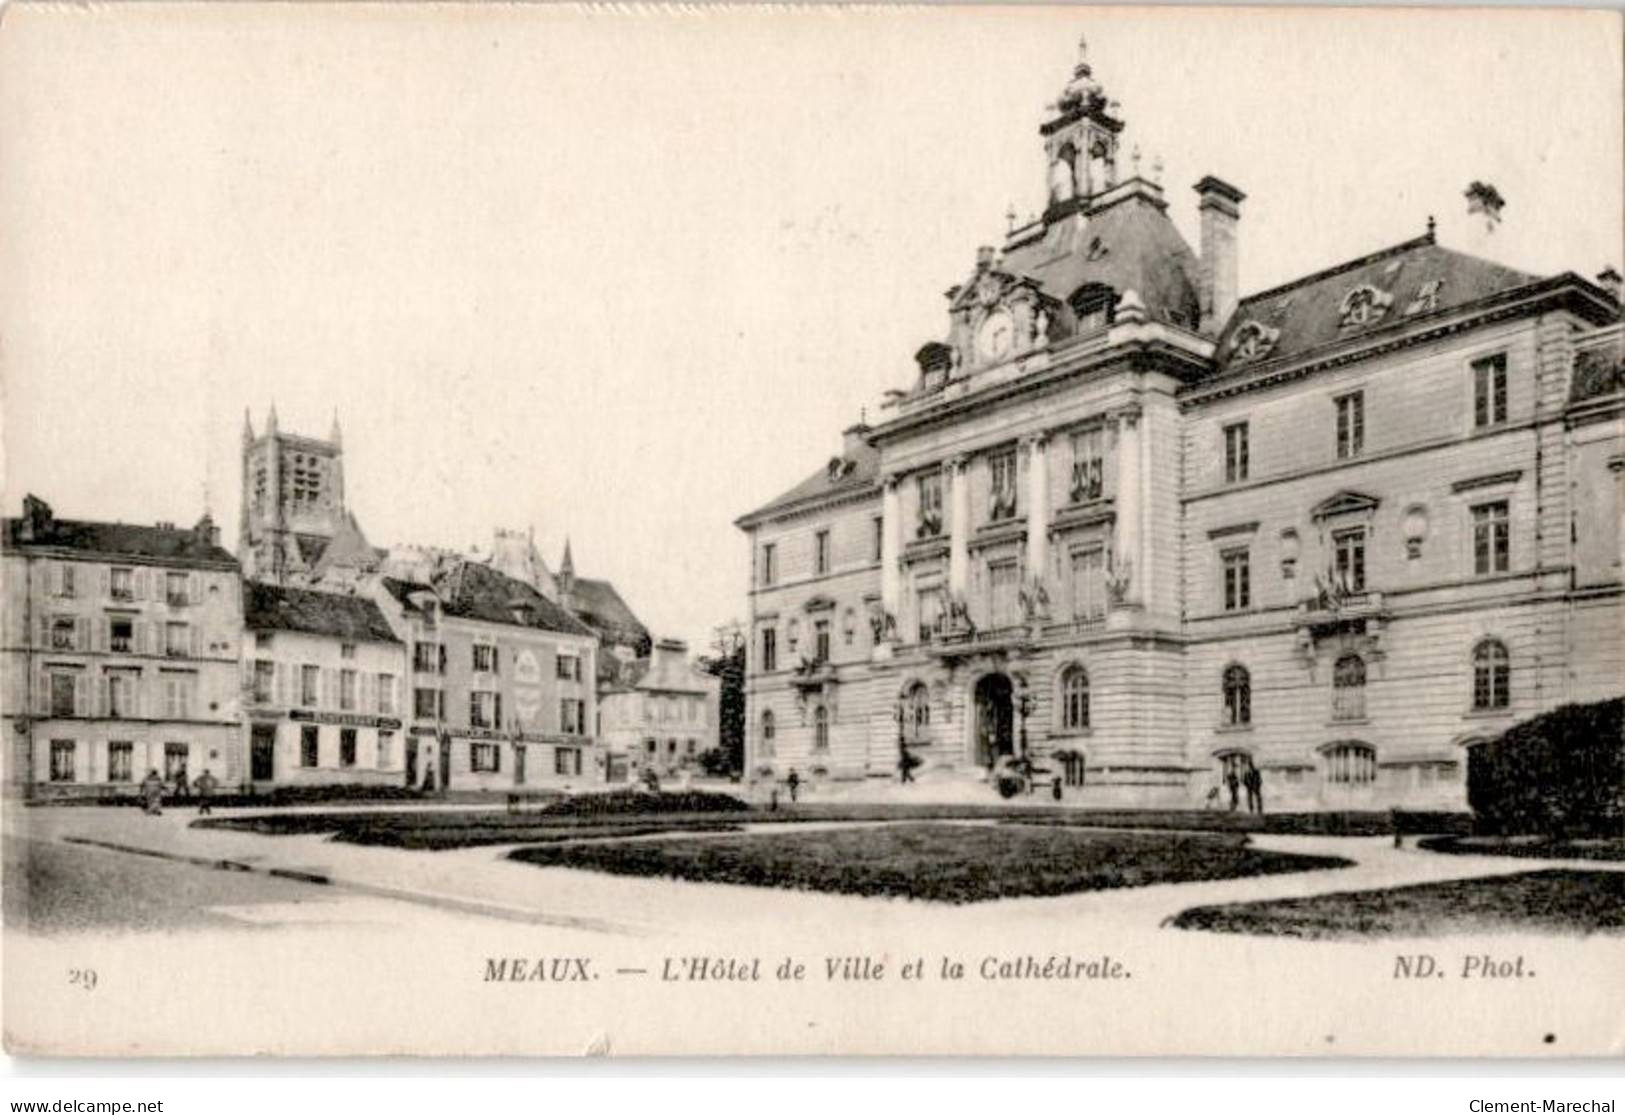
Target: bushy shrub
{"points": [[714, 761], [1561, 774]]}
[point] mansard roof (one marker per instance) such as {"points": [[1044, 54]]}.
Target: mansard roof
{"points": [[166, 544], [471, 590], [1410, 281], [597, 604], [336, 615], [1125, 242], [855, 471]]}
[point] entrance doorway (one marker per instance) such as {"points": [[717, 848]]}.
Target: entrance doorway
{"points": [[262, 753], [518, 764], [412, 762], [995, 720]]}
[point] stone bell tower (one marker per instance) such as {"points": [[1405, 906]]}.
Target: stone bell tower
{"points": [[1080, 141], [292, 502]]}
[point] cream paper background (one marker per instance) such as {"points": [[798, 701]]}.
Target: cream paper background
{"points": [[149, 289]]}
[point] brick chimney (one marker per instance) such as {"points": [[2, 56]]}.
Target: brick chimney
{"points": [[1220, 210], [37, 519]]}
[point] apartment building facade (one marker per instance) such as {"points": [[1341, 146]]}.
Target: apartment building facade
{"points": [[661, 715]]}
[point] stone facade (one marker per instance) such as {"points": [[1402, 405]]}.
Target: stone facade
{"points": [[661, 715], [120, 654], [1147, 532]]}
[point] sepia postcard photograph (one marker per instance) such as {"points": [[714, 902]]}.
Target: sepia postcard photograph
{"points": [[1008, 531]]}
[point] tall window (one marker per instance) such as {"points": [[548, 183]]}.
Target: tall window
{"points": [[175, 761], [1002, 485], [177, 640], [1351, 764], [821, 728], [1492, 538], [64, 633], [917, 713], [178, 696], [1074, 699], [568, 667], [484, 758], [1237, 580], [346, 747], [309, 685], [1490, 390], [821, 640], [65, 586], [1002, 593], [1088, 584], [347, 690], [63, 688], [310, 748], [120, 761], [121, 635], [485, 658], [482, 709], [767, 733], [770, 563], [878, 539], [264, 681], [770, 649], [175, 588], [426, 703], [425, 657], [386, 694], [1350, 424], [573, 716], [1238, 696], [62, 760], [1348, 555], [1088, 465], [1492, 676], [929, 606], [120, 694], [1235, 452], [821, 552], [928, 512], [121, 584], [386, 750], [1348, 688]]}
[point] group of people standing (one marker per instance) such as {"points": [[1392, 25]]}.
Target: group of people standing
{"points": [[1250, 779], [153, 789]]}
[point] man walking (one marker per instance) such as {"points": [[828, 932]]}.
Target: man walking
{"points": [[1232, 783], [204, 787], [152, 794]]}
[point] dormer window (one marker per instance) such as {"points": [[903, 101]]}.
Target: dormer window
{"points": [[1365, 305], [936, 361], [1092, 304], [1253, 341]]}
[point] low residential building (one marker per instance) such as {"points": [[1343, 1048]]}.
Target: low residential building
{"points": [[120, 654], [662, 714], [501, 682], [323, 675]]}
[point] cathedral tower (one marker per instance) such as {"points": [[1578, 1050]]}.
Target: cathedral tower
{"points": [[293, 500]]}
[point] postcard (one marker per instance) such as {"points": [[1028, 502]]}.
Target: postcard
{"points": [[1048, 531]]}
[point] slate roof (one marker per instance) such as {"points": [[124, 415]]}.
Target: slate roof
{"points": [[1308, 312], [278, 608], [175, 545], [1130, 244], [471, 590], [859, 471], [598, 605]]}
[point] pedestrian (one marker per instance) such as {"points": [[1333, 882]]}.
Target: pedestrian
{"points": [[428, 778], [905, 764], [793, 781], [182, 791], [1255, 790], [1232, 782], [205, 787], [152, 794]]}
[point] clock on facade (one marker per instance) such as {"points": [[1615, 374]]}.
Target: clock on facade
{"points": [[996, 336]]}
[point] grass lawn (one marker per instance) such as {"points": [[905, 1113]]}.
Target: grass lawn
{"points": [[1532, 847], [445, 829], [1556, 901], [935, 862]]}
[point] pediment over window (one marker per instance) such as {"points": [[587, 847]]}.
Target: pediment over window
{"points": [[819, 603], [1345, 503]]}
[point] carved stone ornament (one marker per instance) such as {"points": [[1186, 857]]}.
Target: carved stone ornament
{"points": [[1365, 305], [1253, 341]]}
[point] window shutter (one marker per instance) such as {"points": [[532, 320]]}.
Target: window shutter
{"points": [[496, 660], [107, 582], [367, 697], [194, 588], [56, 578], [42, 694], [140, 579], [283, 682], [104, 697], [497, 723], [197, 642], [155, 637], [81, 634], [44, 642], [81, 695], [98, 634]]}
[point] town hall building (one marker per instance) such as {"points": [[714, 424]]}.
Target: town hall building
{"points": [[1147, 532]]}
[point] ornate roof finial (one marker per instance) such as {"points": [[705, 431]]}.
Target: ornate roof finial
{"points": [[1134, 157], [1083, 54], [1432, 225], [1010, 219], [1156, 170]]}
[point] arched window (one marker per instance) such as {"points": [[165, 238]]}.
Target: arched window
{"points": [[1348, 688], [767, 733], [1074, 699], [1238, 696], [821, 728], [917, 713], [1351, 764], [1492, 675]]}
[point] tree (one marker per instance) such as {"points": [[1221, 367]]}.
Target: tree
{"points": [[726, 662]]}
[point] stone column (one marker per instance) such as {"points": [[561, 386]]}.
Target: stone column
{"points": [[891, 533], [1128, 502], [1142, 564], [1037, 506], [958, 526]]}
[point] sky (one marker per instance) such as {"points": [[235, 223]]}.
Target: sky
{"points": [[624, 274]]}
